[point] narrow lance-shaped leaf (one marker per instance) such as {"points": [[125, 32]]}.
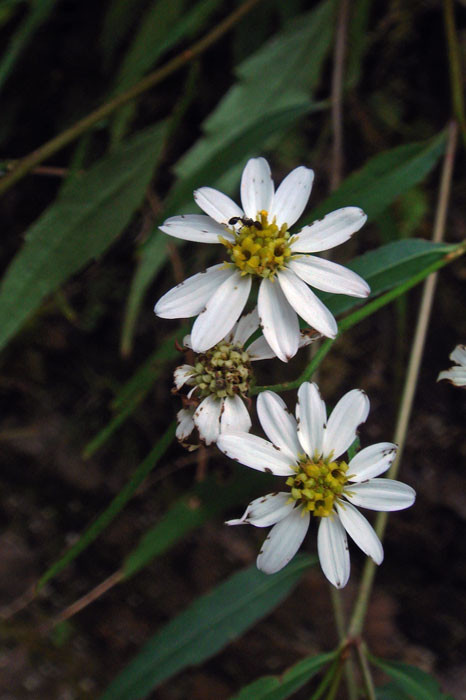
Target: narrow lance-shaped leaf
{"points": [[207, 626], [418, 684], [78, 227], [283, 686]]}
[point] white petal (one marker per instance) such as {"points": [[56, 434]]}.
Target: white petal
{"points": [[278, 424], [459, 355], [456, 375], [185, 423], [312, 417], [235, 415], [221, 312], [216, 204], [329, 277], [372, 461], [183, 374], [291, 197], [381, 494], [187, 341], [256, 187], [189, 297], [332, 546], [266, 510], [279, 321], [207, 419], [361, 531], [255, 452], [306, 304], [351, 410], [335, 228], [246, 326], [283, 541], [195, 227], [261, 350]]}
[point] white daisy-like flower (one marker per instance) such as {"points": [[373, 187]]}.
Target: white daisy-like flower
{"points": [[219, 381], [259, 244], [457, 374], [308, 452]]}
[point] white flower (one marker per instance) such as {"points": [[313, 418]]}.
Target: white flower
{"points": [[456, 375], [307, 451], [259, 244], [220, 378]]}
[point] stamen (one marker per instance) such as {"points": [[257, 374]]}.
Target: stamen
{"points": [[317, 485], [224, 370], [260, 247]]}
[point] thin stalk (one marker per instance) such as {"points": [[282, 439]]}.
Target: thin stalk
{"points": [[361, 653], [337, 94], [455, 68], [360, 315], [367, 579], [334, 669], [30, 161], [340, 623]]}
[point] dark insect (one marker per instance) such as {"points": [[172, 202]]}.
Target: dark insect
{"points": [[245, 221]]}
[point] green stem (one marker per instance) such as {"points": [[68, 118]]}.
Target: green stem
{"points": [[361, 653], [48, 149], [406, 404], [454, 60], [332, 672], [359, 315]]}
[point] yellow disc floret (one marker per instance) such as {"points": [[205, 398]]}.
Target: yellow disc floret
{"points": [[260, 247], [224, 370], [317, 485]]}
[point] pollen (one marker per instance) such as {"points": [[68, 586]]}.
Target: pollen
{"points": [[224, 370], [317, 485], [260, 247]]}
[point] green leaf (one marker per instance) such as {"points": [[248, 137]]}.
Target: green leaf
{"points": [[118, 503], [118, 20], [205, 501], [387, 267], [78, 227], [384, 178], [281, 687], [38, 13], [207, 626], [134, 391], [417, 684], [255, 113]]}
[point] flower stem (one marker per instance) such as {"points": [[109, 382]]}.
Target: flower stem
{"points": [[367, 579], [361, 652], [360, 315], [26, 164], [332, 672], [454, 61], [339, 615]]}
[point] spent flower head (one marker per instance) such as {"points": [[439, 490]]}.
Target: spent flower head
{"points": [[308, 452], [259, 245], [220, 380]]}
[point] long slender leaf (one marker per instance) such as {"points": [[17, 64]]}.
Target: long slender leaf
{"points": [[254, 113], [78, 227], [38, 13], [281, 687], [118, 503], [378, 183], [416, 683], [208, 625]]}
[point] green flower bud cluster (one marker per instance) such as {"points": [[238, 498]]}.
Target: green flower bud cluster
{"points": [[317, 485], [224, 370]]}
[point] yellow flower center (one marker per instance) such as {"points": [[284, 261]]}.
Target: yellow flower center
{"points": [[224, 370], [260, 247], [317, 485]]}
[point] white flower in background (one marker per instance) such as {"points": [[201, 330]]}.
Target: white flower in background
{"points": [[456, 375], [308, 452], [220, 379], [259, 244]]}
